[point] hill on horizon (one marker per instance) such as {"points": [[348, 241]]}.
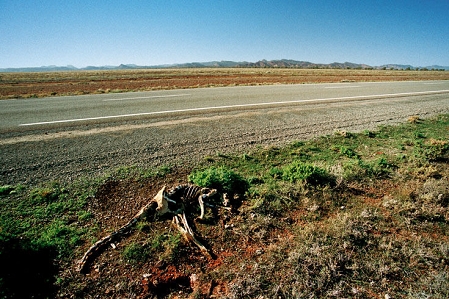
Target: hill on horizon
{"points": [[282, 63]]}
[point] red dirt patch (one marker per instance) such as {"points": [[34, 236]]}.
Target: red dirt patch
{"points": [[237, 240]]}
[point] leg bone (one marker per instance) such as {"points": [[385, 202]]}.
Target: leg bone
{"points": [[187, 232]]}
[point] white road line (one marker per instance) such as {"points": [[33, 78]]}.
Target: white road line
{"points": [[235, 106], [150, 97], [433, 83], [335, 87]]}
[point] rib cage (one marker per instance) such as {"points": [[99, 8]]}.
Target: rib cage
{"points": [[185, 193]]}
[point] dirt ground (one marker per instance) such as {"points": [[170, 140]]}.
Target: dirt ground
{"points": [[191, 274], [29, 85]]}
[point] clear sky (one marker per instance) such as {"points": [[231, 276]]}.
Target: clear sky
{"points": [[151, 32]]}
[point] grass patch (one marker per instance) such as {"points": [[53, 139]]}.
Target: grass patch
{"points": [[165, 246], [138, 173]]}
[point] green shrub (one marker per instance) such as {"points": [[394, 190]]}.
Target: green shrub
{"points": [[84, 215], [419, 135], [345, 151], [381, 167], [359, 169], [155, 173], [354, 170], [434, 150], [220, 178], [300, 171], [275, 172], [171, 245]]}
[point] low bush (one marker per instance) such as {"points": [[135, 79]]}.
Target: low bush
{"points": [[358, 170], [300, 171], [221, 178], [346, 151], [433, 150]]}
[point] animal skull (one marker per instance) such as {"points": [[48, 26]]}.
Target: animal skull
{"points": [[162, 203]]}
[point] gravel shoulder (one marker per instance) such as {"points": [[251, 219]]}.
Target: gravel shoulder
{"points": [[184, 141]]}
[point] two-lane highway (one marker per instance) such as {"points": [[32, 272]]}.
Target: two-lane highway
{"points": [[63, 138], [113, 107]]}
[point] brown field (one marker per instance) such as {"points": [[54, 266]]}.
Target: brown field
{"points": [[44, 84]]}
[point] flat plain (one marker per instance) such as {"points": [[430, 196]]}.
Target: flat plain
{"points": [[44, 84]]}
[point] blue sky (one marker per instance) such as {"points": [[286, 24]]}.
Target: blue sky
{"points": [[152, 32]]}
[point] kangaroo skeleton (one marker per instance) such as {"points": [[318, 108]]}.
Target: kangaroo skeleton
{"points": [[174, 202]]}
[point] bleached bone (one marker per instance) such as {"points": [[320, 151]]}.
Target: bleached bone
{"points": [[187, 194], [187, 232], [102, 243]]}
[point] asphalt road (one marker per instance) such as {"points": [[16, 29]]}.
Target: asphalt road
{"points": [[29, 114], [67, 137]]}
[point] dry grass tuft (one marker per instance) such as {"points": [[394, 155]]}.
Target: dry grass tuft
{"points": [[414, 119]]}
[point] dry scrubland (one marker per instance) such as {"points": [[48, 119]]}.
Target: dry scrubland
{"points": [[29, 85], [346, 215]]}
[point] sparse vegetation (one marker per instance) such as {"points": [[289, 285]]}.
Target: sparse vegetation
{"points": [[165, 246], [353, 215], [45, 84]]}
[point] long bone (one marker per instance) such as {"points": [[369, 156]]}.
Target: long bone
{"points": [[187, 232]]}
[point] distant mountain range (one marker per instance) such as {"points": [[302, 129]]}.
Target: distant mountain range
{"points": [[283, 63]]}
